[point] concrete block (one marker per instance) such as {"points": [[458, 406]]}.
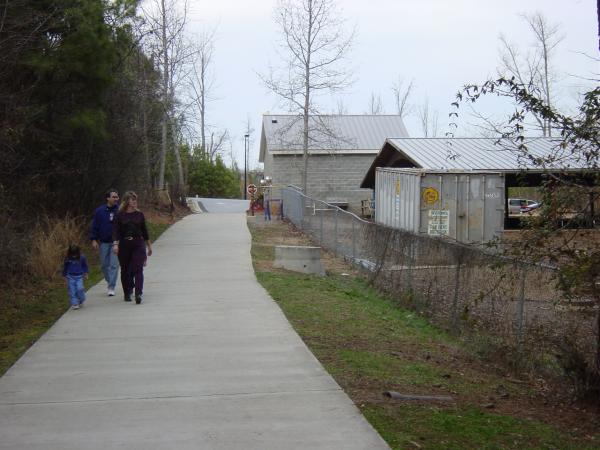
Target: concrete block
{"points": [[299, 259], [192, 203]]}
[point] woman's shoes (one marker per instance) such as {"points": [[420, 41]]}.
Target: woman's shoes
{"points": [[138, 299]]}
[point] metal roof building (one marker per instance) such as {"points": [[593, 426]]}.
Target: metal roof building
{"points": [[341, 149], [461, 186], [282, 134], [473, 154]]}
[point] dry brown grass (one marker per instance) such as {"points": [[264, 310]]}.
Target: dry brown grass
{"points": [[50, 240]]}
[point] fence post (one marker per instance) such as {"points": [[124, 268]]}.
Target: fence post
{"points": [[353, 242], [321, 214], [301, 211], [455, 299], [409, 274], [335, 232], [521, 306]]}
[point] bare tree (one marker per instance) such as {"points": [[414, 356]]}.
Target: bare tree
{"points": [[202, 81], [401, 95], [216, 143], [533, 69], [313, 47], [249, 130], [340, 107], [173, 52], [375, 104], [428, 119]]}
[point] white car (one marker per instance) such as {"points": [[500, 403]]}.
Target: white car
{"points": [[521, 205]]}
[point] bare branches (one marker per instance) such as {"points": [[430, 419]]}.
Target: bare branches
{"points": [[534, 67], [375, 104], [202, 81], [172, 53], [428, 119], [401, 96], [313, 47]]}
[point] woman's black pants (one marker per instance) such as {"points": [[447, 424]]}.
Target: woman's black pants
{"points": [[132, 254]]}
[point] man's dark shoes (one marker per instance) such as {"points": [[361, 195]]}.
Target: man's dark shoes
{"points": [[128, 298], [138, 299]]}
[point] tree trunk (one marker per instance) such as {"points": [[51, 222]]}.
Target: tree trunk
{"points": [[180, 177], [203, 102], [145, 140], [306, 102], [598, 338], [163, 152], [146, 144], [547, 130], [163, 144]]}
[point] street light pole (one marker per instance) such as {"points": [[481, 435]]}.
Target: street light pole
{"points": [[246, 145]]}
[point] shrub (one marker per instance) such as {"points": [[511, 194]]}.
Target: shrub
{"points": [[13, 248], [49, 240]]}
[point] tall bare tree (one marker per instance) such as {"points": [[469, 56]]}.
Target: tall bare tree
{"points": [[402, 94], [375, 104], [167, 21], [534, 68], [202, 82], [341, 109], [215, 145], [428, 119], [313, 46]]}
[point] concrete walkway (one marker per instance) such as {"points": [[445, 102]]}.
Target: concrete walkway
{"points": [[208, 361]]}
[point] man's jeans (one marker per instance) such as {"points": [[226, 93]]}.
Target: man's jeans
{"points": [[110, 264], [76, 290]]}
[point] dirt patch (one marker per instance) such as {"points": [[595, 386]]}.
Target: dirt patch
{"points": [[277, 232], [162, 216]]}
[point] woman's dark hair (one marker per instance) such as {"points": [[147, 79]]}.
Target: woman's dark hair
{"points": [[74, 252]]}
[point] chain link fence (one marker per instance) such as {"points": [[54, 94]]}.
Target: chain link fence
{"points": [[459, 287]]}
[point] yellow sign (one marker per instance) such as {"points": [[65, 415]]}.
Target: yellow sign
{"points": [[398, 187], [430, 195]]}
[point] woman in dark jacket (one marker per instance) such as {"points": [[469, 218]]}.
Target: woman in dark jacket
{"points": [[131, 243]]}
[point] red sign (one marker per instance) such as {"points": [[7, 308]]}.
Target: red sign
{"points": [[251, 189]]}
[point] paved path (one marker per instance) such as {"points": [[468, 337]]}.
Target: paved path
{"points": [[220, 205], [208, 361]]}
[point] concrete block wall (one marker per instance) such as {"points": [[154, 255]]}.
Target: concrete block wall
{"points": [[331, 178]]}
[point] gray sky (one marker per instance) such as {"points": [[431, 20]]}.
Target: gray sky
{"points": [[440, 44]]}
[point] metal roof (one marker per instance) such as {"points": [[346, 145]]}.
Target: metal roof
{"points": [[474, 154], [484, 154], [329, 133]]}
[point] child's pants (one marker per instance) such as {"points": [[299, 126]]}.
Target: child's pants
{"points": [[76, 289]]}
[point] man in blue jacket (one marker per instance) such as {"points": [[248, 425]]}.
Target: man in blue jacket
{"points": [[101, 237]]}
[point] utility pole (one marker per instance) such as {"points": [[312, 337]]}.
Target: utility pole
{"points": [[246, 139]]}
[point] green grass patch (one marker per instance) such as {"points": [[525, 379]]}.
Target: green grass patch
{"points": [[156, 229], [370, 344], [393, 371], [263, 252], [457, 429], [26, 314], [346, 306]]}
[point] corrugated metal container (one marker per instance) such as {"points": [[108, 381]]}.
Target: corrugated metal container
{"points": [[466, 206]]}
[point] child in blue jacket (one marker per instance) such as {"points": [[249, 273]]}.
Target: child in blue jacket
{"points": [[75, 269]]}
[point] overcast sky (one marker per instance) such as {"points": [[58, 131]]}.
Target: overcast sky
{"points": [[440, 44]]}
